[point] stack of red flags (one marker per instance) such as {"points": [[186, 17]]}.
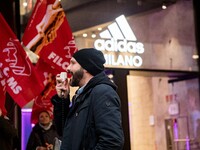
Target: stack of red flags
{"points": [[48, 40]]}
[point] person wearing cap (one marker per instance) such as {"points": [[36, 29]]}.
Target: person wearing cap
{"points": [[94, 117], [43, 133]]}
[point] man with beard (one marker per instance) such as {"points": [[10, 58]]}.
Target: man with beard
{"points": [[93, 119]]}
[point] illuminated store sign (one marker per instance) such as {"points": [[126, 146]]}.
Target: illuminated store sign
{"points": [[119, 45]]}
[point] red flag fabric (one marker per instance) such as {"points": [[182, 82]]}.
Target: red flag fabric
{"points": [[48, 34], [43, 101], [17, 72]]}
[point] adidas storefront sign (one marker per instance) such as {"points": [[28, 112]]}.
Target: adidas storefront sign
{"points": [[119, 45], [123, 60], [123, 48]]}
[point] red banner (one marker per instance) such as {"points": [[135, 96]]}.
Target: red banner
{"points": [[48, 34], [43, 101], [17, 72]]}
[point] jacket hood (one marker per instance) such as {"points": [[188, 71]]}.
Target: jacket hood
{"points": [[100, 78]]}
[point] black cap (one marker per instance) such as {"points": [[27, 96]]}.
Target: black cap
{"points": [[91, 60]]}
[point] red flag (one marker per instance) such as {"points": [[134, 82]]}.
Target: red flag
{"points": [[43, 101], [48, 34], [17, 72]]}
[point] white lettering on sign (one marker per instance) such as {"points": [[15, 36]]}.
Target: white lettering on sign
{"points": [[56, 59], [13, 64], [123, 60], [18, 68], [11, 82], [13, 85], [127, 52], [119, 45], [173, 108]]}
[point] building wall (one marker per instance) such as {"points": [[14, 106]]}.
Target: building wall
{"points": [[148, 111], [160, 89], [168, 37], [142, 132]]}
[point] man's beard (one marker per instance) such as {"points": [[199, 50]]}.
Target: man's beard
{"points": [[76, 77]]}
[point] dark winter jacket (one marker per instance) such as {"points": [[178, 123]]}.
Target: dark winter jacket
{"points": [[60, 110], [8, 135], [94, 120], [39, 137]]}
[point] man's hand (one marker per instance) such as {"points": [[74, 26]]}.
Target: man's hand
{"points": [[62, 87]]}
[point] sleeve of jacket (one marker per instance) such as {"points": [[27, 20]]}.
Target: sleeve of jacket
{"points": [[33, 141], [7, 128], [107, 118], [60, 111]]}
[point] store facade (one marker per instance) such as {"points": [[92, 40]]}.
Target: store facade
{"points": [[156, 75]]}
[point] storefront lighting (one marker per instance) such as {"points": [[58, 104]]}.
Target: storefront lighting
{"points": [[195, 56], [115, 31], [84, 34], [93, 35], [25, 126], [25, 4], [105, 34], [99, 29], [139, 2], [125, 28], [164, 6]]}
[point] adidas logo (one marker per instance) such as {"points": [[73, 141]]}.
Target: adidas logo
{"points": [[119, 30], [119, 37]]}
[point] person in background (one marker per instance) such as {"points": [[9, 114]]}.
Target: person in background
{"points": [[94, 119], [43, 133], [8, 134]]}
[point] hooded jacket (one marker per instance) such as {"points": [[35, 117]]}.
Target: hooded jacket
{"points": [[94, 120]]}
